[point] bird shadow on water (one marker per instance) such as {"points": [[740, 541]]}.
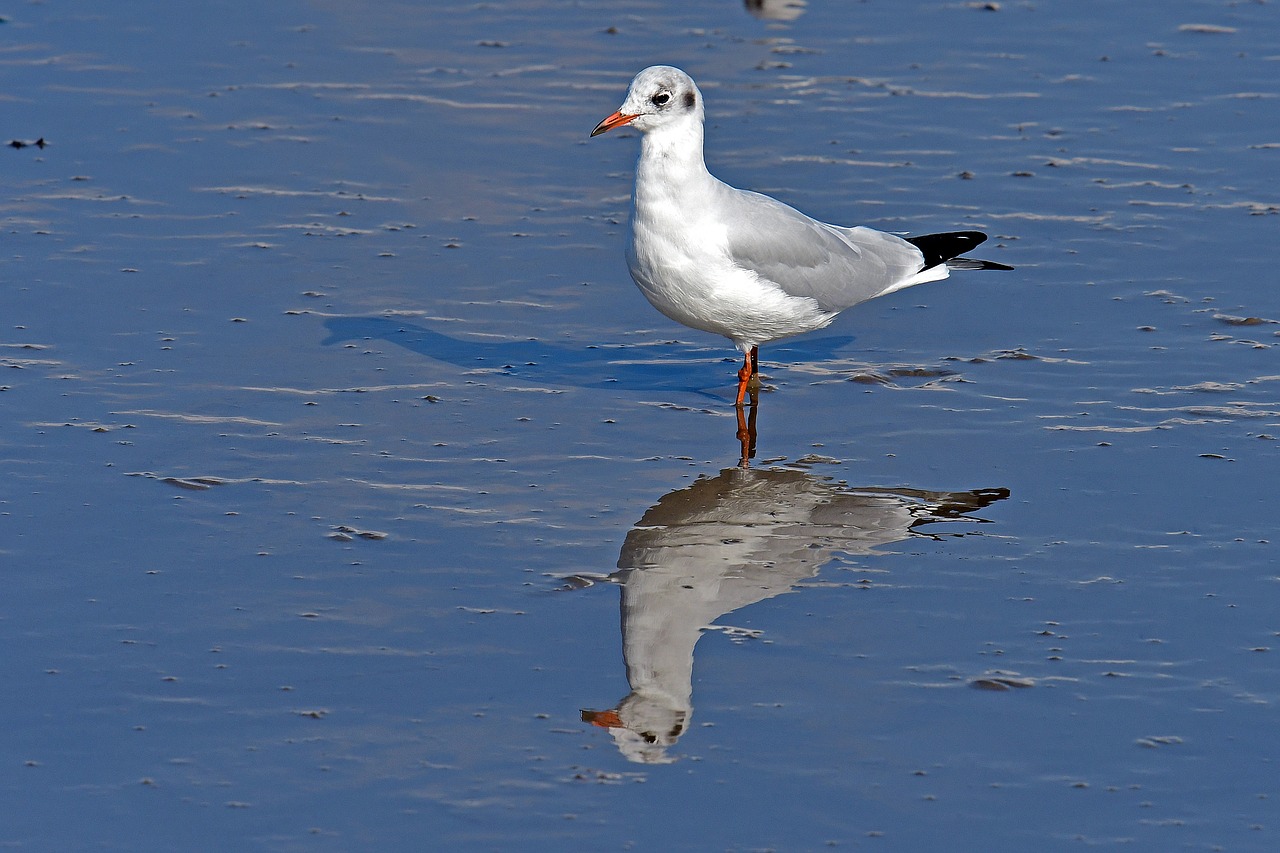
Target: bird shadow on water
{"points": [[672, 366], [729, 541]]}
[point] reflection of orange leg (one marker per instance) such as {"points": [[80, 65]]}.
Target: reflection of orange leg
{"points": [[747, 435]]}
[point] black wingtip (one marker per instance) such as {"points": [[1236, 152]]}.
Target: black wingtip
{"points": [[940, 248]]}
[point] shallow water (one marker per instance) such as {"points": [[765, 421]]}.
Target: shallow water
{"points": [[336, 435]]}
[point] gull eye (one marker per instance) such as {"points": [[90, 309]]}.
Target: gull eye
{"points": [[660, 99]]}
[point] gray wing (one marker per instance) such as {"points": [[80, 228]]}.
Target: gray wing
{"points": [[837, 267]]}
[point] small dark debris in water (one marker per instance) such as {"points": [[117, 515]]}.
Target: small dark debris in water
{"points": [[920, 372], [316, 714], [985, 7], [613, 31], [192, 483], [195, 484], [1023, 174], [351, 532], [1000, 682], [20, 143], [1242, 321], [816, 459], [966, 175], [431, 398]]}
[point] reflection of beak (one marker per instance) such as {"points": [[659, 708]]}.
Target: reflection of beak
{"points": [[615, 120], [603, 719]]}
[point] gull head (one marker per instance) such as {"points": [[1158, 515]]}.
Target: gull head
{"points": [[659, 96]]}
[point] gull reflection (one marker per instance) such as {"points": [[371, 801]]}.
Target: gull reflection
{"points": [[776, 10], [726, 542]]}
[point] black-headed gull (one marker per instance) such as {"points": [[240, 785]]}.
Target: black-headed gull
{"points": [[742, 264]]}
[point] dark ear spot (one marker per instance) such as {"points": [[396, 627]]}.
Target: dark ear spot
{"points": [[689, 100]]}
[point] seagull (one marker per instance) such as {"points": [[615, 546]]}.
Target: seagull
{"points": [[741, 264]]}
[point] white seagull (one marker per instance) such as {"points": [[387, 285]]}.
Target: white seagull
{"points": [[742, 264]]}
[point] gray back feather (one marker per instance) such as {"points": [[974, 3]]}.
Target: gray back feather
{"points": [[836, 267]]}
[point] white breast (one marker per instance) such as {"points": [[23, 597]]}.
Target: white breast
{"points": [[678, 256]]}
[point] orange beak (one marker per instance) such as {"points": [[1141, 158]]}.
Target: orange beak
{"points": [[603, 719], [616, 120]]}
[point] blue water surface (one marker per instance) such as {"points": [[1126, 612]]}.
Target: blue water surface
{"points": [[352, 498]]}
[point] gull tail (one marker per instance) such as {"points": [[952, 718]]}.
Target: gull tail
{"points": [[947, 248]]}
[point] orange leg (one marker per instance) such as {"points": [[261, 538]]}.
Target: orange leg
{"points": [[750, 370]]}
